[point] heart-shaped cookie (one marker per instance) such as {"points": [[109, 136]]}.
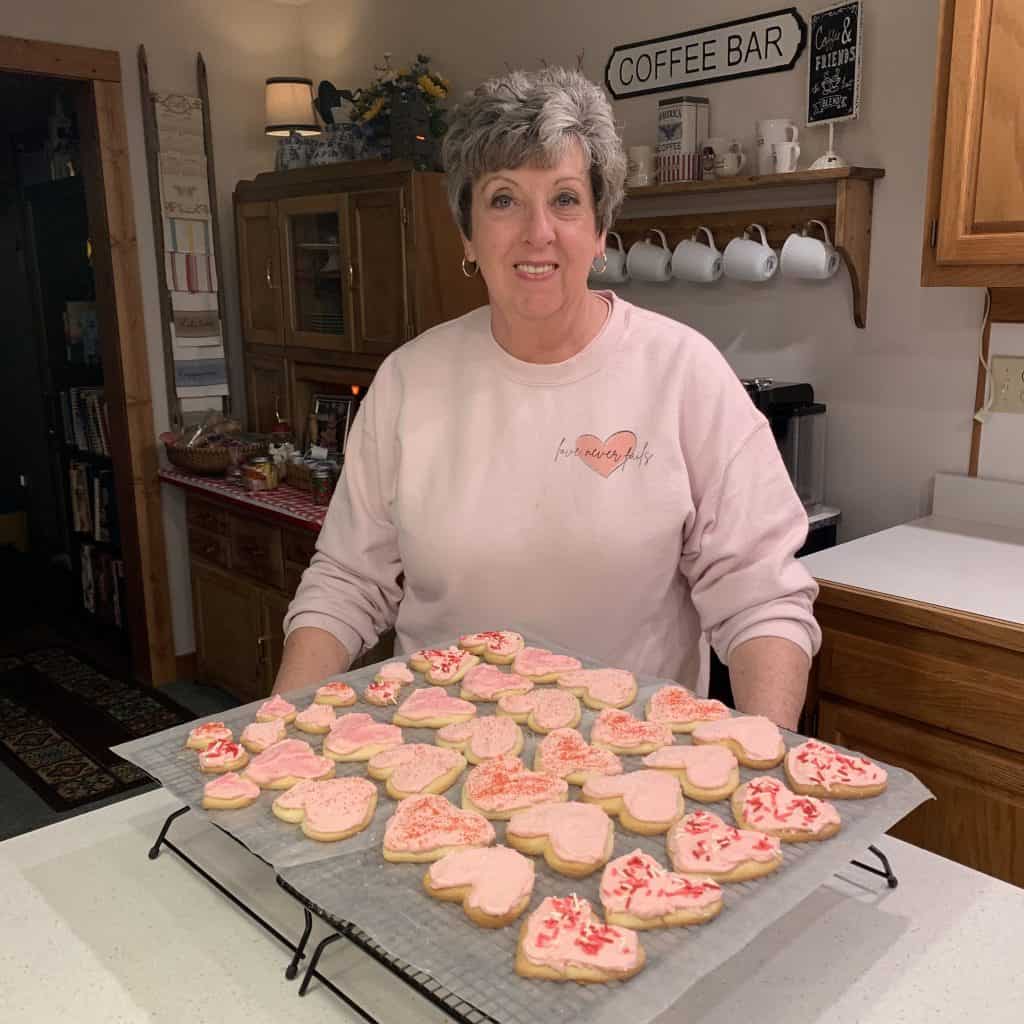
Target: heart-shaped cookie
{"points": [[541, 665], [755, 740], [816, 769], [257, 736], [382, 692], [317, 719], [482, 739], [331, 810], [416, 768], [394, 672], [286, 763], [767, 805], [702, 844], [488, 682], [203, 736], [336, 695], [708, 774], [443, 666], [565, 754], [620, 732], [638, 892], [681, 710], [432, 708], [229, 792], [563, 940], [647, 802], [542, 711], [276, 707], [600, 687], [497, 788], [357, 737], [575, 839], [493, 884], [496, 647], [425, 828]]}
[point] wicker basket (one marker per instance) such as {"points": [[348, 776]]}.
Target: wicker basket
{"points": [[300, 475], [213, 459]]}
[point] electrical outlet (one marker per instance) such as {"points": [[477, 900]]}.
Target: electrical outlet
{"points": [[1007, 383]]}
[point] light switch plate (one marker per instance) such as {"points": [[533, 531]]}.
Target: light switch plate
{"points": [[1007, 383]]}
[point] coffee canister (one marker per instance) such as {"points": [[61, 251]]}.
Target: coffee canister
{"points": [[684, 122]]}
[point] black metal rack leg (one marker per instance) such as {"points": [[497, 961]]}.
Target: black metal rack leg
{"points": [[312, 972], [154, 851], [885, 871]]}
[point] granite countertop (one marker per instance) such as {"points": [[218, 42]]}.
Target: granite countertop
{"points": [[105, 934]]}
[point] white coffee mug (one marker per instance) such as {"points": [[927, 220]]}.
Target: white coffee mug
{"points": [[786, 156], [649, 262], [810, 258], [770, 131], [640, 166], [747, 260], [728, 165], [614, 271], [723, 157], [696, 262]]}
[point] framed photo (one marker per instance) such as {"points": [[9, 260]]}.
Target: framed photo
{"points": [[334, 416], [835, 59]]}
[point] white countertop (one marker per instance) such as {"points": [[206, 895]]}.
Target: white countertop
{"points": [[93, 931]]}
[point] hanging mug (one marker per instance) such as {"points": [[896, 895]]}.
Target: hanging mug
{"points": [[696, 262], [649, 262], [614, 271], [810, 258], [748, 260]]}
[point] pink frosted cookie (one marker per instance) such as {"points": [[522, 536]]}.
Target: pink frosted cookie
{"points": [[707, 774], [394, 672], [575, 839], [563, 940], [257, 736], [482, 739], [703, 844], [494, 884], [287, 763], [497, 647], [204, 735], [486, 683], [336, 695], [432, 708], [755, 740], [331, 810], [497, 788], [426, 828], [601, 687], [767, 805], [816, 769], [443, 666], [229, 792], [646, 802], [382, 692], [542, 711], [620, 732], [276, 707], [541, 665], [414, 768], [683, 711], [638, 892], [357, 737], [317, 719], [565, 754], [222, 756]]}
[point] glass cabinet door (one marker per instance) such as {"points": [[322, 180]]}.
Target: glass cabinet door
{"points": [[317, 271]]}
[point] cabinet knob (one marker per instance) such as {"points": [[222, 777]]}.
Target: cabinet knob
{"points": [[270, 279]]}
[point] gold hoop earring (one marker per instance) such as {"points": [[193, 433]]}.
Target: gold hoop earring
{"points": [[467, 264], [603, 261]]}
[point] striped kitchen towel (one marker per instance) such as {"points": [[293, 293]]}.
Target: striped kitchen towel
{"points": [[190, 272]]}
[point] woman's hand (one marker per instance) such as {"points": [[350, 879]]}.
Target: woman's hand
{"points": [[310, 656], [769, 677]]}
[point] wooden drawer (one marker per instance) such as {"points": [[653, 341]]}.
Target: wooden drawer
{"points": [[256, 551], [210, 547], [206, 516], [298, 546]]}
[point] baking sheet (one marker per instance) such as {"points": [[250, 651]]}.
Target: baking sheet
{"points": [[347, 880]]}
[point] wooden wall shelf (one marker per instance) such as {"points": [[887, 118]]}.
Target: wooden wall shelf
{"points": [[848, 215]]}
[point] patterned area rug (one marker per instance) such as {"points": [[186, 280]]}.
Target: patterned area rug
{"points": [[58, 718]]}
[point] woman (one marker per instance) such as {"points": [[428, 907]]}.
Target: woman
{"points": [[559, 462]]}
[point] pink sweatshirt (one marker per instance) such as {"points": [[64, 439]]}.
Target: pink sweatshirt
{"points": [[621, 503]]}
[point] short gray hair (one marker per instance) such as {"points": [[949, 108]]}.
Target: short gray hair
{"points": [[529, 117]]}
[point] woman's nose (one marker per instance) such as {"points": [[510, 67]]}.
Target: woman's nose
{"points": [[539, 226]]}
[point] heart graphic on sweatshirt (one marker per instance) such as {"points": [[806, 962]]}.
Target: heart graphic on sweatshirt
{"points": [[604, 457]]}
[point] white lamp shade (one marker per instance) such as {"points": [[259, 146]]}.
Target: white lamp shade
{"points": [[290, 107]]}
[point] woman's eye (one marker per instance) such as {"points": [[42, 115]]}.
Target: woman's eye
{"points": [[501, 201], [567, 199]]}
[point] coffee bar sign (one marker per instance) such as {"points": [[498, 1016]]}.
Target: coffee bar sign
{"points": [[758, 45]]}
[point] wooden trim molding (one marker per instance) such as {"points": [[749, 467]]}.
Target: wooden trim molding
{"points": [[34, 57]]}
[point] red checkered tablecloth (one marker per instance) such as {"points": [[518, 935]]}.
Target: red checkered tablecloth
{"points": [[285, 504]]}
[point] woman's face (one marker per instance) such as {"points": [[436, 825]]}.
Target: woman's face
{"points": [[534, 236]]}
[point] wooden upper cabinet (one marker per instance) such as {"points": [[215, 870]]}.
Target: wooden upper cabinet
{"points": [[975, 224], [259, 272], [380, 282], [266, 385]]}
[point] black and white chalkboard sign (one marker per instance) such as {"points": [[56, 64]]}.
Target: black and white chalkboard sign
{"points": [[834, 63]]}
